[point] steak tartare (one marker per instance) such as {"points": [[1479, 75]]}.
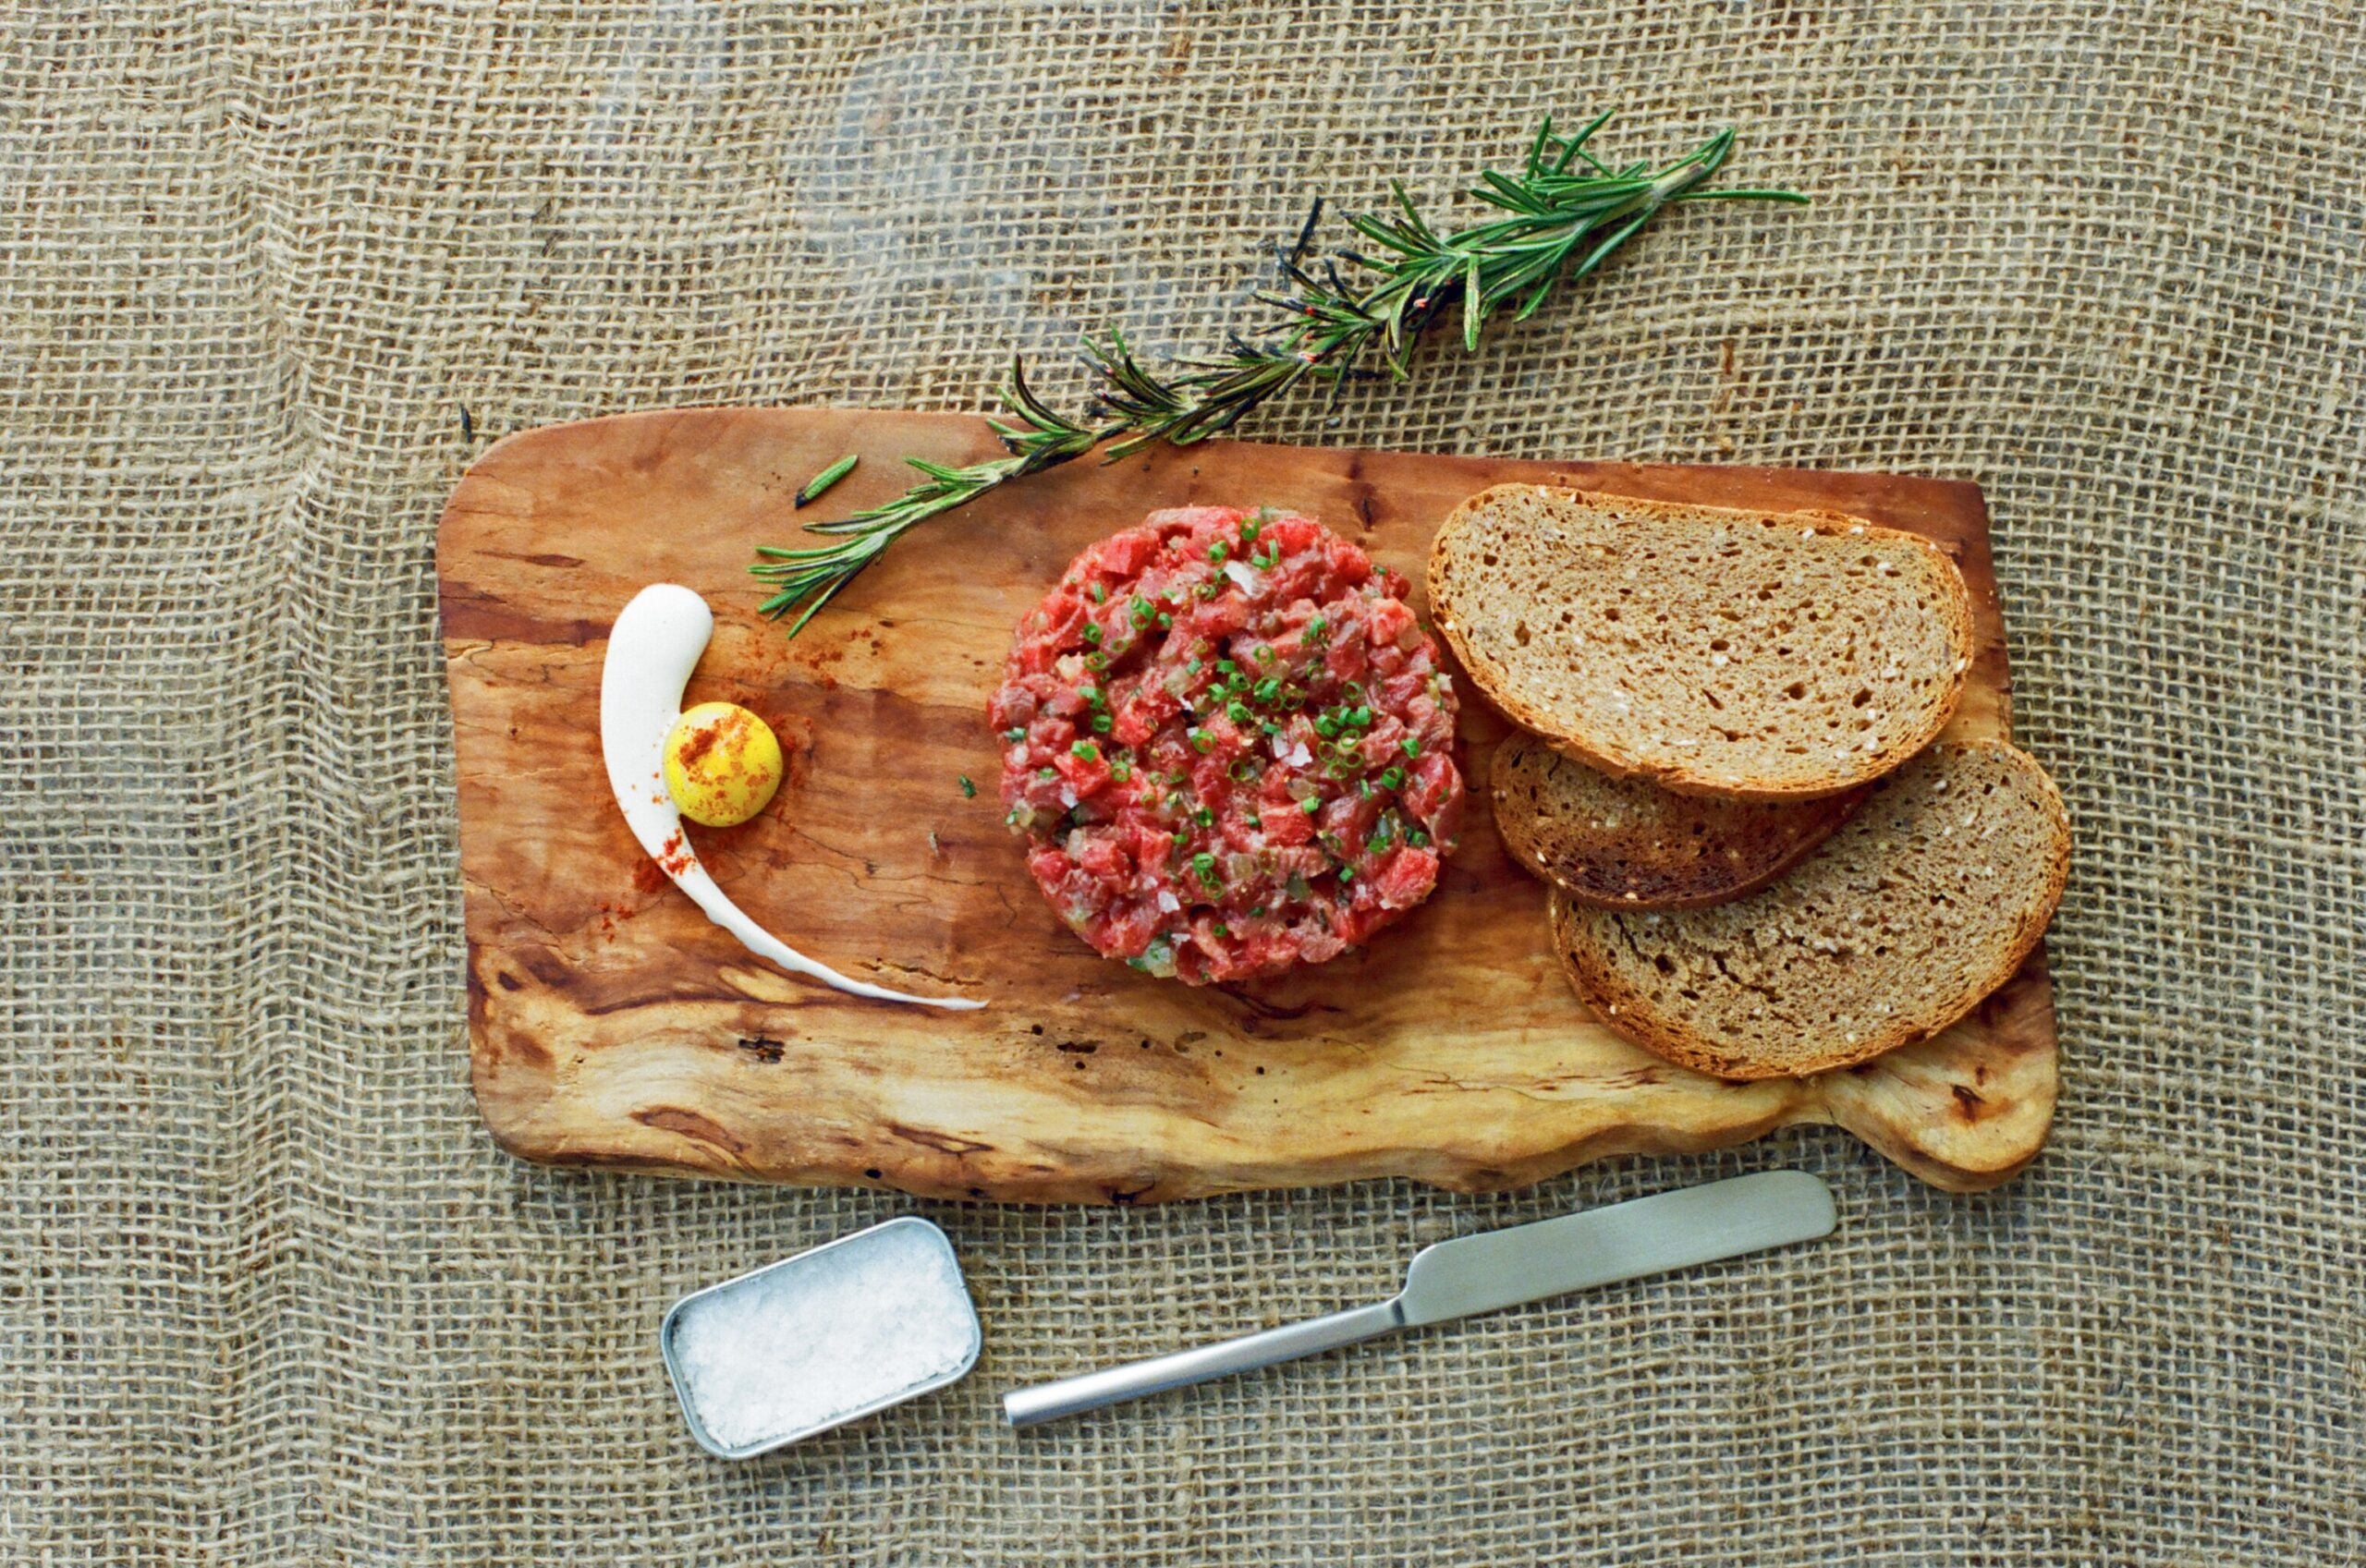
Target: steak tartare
{"points": [[1228, 746]]}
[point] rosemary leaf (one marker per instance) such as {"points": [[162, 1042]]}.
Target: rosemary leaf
{"points": [[826, 479]]}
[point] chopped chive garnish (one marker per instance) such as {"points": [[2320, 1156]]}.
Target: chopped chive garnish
{"points": [[1310, 805], [969, 790], [1201, 740], [1121, 770], [1412, 746], [1216, 552], [1092, 633], [1100, 593], [1085, 750], [1016, 733], [1102, 724]]}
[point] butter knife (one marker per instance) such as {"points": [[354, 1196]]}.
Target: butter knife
{"points": [[1487, 1273]]}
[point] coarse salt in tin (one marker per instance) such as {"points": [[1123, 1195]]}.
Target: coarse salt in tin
{"points": [[820, 1339]]}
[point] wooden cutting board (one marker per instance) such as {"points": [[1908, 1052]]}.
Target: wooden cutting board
{"points": [[611, 1024]]}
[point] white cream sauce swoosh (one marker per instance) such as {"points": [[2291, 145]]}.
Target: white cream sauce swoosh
{"points": [[653, 647]]}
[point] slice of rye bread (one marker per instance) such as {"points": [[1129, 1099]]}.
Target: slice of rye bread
{"points": [[1924, 903], [1623, 843], [1751, 655]]}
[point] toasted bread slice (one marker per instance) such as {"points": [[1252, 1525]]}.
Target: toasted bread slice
{"points": [[1924, 903], [1751, 655], [1623, 843]]}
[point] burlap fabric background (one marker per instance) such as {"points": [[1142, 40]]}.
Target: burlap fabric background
{"points": [[272, 273]]}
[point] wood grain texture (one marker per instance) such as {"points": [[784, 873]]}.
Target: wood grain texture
{"points": [[612, 1026]]}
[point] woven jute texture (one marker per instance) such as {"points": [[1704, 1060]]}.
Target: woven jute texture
{"points": [[271, 273]]}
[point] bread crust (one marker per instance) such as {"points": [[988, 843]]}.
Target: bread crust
{"points": [[1602, 751], [1744, 846], [1604, 989]]}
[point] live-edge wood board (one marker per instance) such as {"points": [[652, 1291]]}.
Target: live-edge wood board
{"points": [[611, 1024]]}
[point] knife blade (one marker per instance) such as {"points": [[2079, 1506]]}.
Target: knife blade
{"points": [[1486, 1273]]}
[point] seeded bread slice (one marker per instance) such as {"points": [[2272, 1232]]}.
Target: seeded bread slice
{"points": [[1625, 844], [1924, 903], [1751, 655]]}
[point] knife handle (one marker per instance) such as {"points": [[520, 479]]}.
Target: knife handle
{"points": [[1073, 1396]]}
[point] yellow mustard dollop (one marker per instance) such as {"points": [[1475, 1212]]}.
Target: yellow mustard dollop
{"points": [[722, 765]]}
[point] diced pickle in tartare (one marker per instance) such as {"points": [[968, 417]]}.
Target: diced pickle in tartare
{"points": [[1228, 745]]}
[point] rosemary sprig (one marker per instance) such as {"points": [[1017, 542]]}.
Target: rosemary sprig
{"points": [[1565, 212]]}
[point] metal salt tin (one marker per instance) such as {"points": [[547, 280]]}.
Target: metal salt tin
{"points": [[820, 1339]]}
